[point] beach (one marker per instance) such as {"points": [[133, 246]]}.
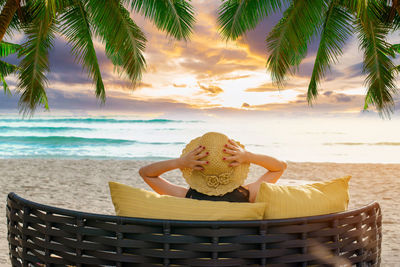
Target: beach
{"points": [[82, 185]]}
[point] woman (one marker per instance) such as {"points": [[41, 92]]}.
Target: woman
{"points": [[215, 167]]}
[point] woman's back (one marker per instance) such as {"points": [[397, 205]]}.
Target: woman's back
{"points": [[240, 194]]}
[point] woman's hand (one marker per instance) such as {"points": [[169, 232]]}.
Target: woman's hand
{"points": [[238, 153], [192, 159]]}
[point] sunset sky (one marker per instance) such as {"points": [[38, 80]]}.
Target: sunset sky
{"points": [[205, 76]]}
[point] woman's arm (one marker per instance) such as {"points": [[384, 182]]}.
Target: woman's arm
{"points": [[275, 169], [151, 173], [274, 166]]}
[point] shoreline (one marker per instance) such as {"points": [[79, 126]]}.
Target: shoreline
{"points": [[152, 159], [82, 185]]}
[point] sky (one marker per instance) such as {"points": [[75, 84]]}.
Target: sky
{"points": [[203, 77]]}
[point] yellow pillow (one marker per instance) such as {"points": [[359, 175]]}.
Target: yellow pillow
{"points": [[134, 202], [285, 201]]}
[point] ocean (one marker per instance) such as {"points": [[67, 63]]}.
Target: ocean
{"points": [[355, 139]]}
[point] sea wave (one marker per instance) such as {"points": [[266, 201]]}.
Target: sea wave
{"points": [[72, 140], [93, 120], [75, 157], [364, 144], [42, 128]]}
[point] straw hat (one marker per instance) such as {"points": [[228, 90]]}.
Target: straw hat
{"points": [[217, 178]]}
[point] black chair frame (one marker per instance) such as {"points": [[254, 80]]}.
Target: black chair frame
{"points": [[42, 235]]}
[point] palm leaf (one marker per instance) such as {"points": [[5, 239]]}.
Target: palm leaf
{"points": [[6, 69], [335, 31], [176, 17], [8, 48], [396, 48], [124, 40], [397, 68], [22, 17], [377, 61], [76, 28], [5, 86], [396, 22], [288, 40], [13, 27], [235, 17], [34, 64], [357, 7]]}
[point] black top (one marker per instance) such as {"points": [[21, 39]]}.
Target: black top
{"points": [[240, 194]]}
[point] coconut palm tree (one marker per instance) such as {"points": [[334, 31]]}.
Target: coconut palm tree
{"points": [[333, 21], [79, 21]]}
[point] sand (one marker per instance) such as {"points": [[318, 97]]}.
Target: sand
{"points": [[82, 185]]}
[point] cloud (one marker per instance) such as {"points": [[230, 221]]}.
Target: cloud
{"points": [[206, 66], [291, 84], [179, 85], [267, 87], [340, 98], [143, 84], [63, 67], [305, 70], [8, 102], [227, 78], [355, 70], [255, 39], [211, 89], [329, 102]]}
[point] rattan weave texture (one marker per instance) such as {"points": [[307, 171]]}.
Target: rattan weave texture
{"points": [[41, 235]]}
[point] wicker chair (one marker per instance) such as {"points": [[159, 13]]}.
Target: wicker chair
{"points": [[41, 235]]}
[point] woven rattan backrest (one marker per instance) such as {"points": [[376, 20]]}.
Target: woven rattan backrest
{"points": [[41, 235]]}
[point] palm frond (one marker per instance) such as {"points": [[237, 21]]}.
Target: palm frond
{"points": [[124, 40], [357, 7], [6, 69], [13, 27], [7, 90], [377, 62], [397, 69], [176, 17], [76, 28], [235, 17], [336, 29], [23, 16], [396, 22], [288, 40], [8, 48], [396, 48], [34, 64]]}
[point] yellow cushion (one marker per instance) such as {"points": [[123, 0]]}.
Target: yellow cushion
{"points": [[134, 202], [285, 201]]}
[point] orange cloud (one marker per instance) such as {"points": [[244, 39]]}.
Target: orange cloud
{"points": [[227, 78], [179, 85], [211, 89]]}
